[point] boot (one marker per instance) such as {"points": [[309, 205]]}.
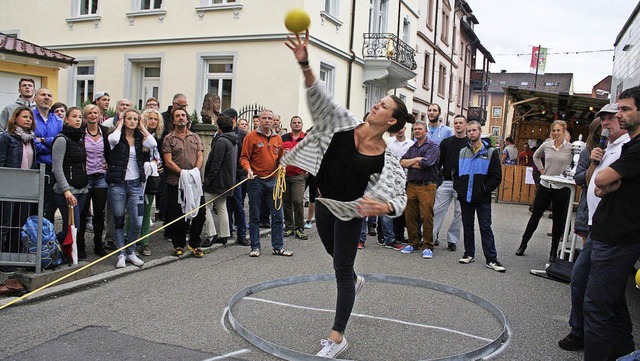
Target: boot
{"points": [[522, 248], [553, 254]]}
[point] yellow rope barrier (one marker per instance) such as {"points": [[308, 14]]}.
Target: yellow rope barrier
{"points": [[277, 197]]}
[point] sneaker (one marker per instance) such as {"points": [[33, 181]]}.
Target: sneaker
{"points": [[243, 241], [427, 253], [435, 243], [331, 349], [300, 234], [496, 266], [8, 270], [466, 259], [394, 245], [307, 225], [121, 263], [407, 249], [571, 343], [146, 251], [254, 253], [451, 246], [371, 229], [380, 241], [360, 245], [288, 233], [135, 260]]}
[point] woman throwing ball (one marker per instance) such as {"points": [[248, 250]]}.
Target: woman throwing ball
{"points": [[343, 150]]}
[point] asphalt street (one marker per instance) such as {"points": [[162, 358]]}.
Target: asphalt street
{"points": [[177, 310]]}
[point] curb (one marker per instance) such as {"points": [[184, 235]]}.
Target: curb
{"points": [[65, 288]]}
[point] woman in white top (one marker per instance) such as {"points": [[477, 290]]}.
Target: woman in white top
{"points": [[125, 177], [557, 154]]}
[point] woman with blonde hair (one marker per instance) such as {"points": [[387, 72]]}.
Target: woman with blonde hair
{"points": [[97, 149], [152, 120], [557, 154]]}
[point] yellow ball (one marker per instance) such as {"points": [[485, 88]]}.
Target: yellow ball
{"points": [[297, 20], [638, 279]]}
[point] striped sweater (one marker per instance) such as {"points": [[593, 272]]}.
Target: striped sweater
{"points": [[330, 118]]}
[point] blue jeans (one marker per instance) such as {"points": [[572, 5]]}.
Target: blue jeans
{"points": [[61, 202], [445, 194], [387, 229], [607, 324], [484, 220], [128, 195], [258, 189], [579, 279], [235, 207]]}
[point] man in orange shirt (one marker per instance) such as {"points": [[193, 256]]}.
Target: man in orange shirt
{"points": [[261, 152]]}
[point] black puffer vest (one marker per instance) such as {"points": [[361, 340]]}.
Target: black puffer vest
{"points": [[74, 163], [119, 157]]}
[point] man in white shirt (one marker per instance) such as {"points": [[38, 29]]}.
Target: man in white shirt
{"points": [[399, 146]]}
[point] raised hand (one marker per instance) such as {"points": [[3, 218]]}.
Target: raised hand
{"points": [[299, 46]]}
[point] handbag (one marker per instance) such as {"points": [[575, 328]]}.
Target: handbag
{"points": [[152, 186]]}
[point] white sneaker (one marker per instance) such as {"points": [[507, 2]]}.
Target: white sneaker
{"points": [[121, 263], [307, 225], [135, 260], [331, 349]]}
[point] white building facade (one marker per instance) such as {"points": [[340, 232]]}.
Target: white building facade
{"points": [[137, 49], [626, 70]]}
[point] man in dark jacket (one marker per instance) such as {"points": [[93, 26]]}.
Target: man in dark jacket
{"points": [[235, 201], [293, 198], [220, 176], [479, 174]]}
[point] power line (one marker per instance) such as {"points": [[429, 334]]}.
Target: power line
{"points": [[562, 52]]}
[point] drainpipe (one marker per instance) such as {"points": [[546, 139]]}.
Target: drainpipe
{"points": [[353, 54], [435, 42]]}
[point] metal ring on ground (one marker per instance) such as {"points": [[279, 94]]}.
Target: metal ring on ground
{"points": [[288, 354]]}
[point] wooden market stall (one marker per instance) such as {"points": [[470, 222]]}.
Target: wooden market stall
{"points": [[531, 114]]}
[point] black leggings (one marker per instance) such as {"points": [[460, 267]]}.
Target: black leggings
{"points": [[560, 202], [97, 196], [340, 240]]}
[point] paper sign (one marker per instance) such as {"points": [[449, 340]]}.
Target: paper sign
{"points": [[528, 177]]}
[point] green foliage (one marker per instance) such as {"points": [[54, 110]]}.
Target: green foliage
{"points": [[194, 117]]}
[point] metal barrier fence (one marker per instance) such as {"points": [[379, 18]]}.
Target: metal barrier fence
{"points": [[21, 195]]}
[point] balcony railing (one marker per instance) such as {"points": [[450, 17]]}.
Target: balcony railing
{"points": [[477, 114], [388, 46]]}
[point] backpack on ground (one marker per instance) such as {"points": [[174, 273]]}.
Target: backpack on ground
{"points": [[51, 254]]}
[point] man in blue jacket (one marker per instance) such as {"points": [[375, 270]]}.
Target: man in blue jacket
{"points": [[479, 174], [48, 125]]}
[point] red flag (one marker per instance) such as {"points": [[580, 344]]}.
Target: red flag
{"points": [[538, 60]]}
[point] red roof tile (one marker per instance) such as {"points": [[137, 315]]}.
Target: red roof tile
{"points": [[15, 46]]}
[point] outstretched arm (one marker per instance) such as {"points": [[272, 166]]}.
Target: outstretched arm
{"points": [[299, 48]]}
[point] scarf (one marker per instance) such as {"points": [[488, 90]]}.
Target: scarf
{"points": [[26, 137], [72, 133]]}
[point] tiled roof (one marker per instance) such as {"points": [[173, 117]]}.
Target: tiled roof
{"points": [[15, 46], [549, 82]]}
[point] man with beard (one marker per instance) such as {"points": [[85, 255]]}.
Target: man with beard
{"points": [[615, 246], [436, 131]]}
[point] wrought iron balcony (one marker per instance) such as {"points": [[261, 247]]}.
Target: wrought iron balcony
{"points": [[388, 46], [478, 114]]}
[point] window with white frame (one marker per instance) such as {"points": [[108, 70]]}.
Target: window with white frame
{"points": [[327, 75], [331, 7], [150, 4], [87, 7], [406, 30], [219, 79], [442, 80], [84, 82]]}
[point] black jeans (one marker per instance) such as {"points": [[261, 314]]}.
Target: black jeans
{"points": [[340, 240], [560, 200], [179, 229]]}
